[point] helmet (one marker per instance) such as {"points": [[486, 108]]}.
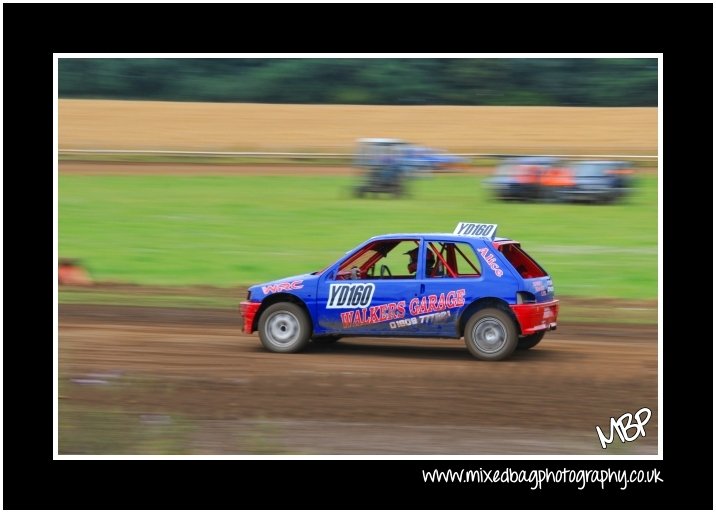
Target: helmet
{"points": [[413, 264]]}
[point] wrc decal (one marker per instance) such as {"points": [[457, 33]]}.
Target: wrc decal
{"points": [[280, 287]]}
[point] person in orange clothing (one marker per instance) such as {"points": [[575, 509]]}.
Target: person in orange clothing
{"points": [[71, 273]]}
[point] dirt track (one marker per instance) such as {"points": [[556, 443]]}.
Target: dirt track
{"points": [[358, 396]]}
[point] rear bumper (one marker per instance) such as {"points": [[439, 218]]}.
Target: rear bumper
{"points": [[248, 310], [535, 317]]}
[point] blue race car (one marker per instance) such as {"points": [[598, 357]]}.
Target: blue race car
{"points": [[468, 283]]}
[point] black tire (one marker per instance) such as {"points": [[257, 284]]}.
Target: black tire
{"points": [[326, 339], [610, 200], [529, 341], [551, 195], [491, 334], [284, 328]]}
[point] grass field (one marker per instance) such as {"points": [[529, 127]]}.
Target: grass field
{"points": [[238, 230], [104, 124]]}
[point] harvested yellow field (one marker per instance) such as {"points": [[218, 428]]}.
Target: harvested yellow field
{"points": [[106, 124]]}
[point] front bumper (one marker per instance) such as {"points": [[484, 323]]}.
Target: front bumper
{"points": [[248, 310], [534, 317]]}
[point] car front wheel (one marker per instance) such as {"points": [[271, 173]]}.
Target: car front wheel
{"points": [[491, 334], [284, 328]]}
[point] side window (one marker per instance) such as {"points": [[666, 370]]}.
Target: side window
{"points": [[467, 263], [384, 259], [397, 261], [452, 260], [522, 262]]}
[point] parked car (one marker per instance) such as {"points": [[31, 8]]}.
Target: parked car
{"points": [[596, 181], [519, 178], [468, 284], [428, 160], [549, 179]]}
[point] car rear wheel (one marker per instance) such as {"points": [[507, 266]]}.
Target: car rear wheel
{"points": [[284, 328], [491, 334], [529, 341]]}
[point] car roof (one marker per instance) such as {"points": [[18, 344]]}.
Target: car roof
{"points": [[600, 162], [530, 160], [434, 235], [378, 140]]}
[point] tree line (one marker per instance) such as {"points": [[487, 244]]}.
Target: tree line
{"points": [[595, 82]]}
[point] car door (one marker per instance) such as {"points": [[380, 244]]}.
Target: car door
{"points": [[455, 281], [370, 300]]}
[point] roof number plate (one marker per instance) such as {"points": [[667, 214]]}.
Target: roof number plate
{"points": [[485, 231]]}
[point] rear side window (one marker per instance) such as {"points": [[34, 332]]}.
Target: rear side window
{"points": [[521, 261], [452, 260]]}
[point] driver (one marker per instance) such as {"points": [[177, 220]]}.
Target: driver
{"points": [[413, 264]]}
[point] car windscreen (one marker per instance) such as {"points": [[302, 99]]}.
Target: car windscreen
{"points": [[517, 169], [587, 170], [506, 170]]}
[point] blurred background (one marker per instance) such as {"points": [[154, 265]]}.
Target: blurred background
{"points": [[413, 81], [183, 181]]}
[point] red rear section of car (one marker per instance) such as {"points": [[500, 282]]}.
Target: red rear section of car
{"points": [[534, 317]]}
